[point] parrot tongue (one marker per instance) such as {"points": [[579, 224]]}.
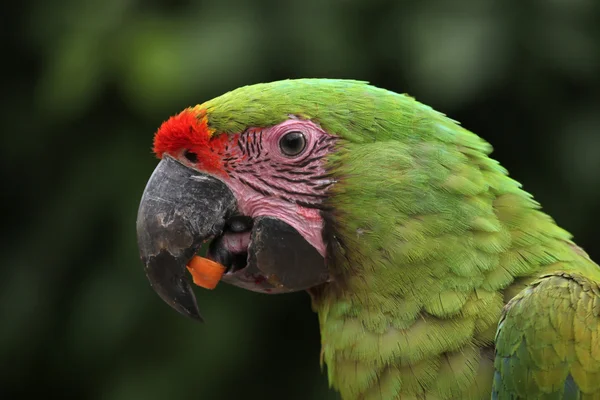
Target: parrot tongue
{"points": [[230, 249]]}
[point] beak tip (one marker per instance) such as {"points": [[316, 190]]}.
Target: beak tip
{"points": [[190, 312], [189, 309], [170, 283], [184, 303], [197, 317]]}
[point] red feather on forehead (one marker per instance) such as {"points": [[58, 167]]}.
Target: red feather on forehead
{"points": [[189, 130]]}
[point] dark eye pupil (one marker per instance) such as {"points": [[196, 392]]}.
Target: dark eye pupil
{"points": [[191, 156], [292, 143]]}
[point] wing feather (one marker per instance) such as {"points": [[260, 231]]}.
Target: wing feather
{"points": [[548, 341]]}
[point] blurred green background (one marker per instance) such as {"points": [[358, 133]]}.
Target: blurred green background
{"points": [[87, 83]]}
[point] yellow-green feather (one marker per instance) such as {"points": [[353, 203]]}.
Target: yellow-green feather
{"points": [[548, 341], [428, 239], [440, 233]]}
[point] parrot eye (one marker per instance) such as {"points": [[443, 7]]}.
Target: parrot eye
{"points": [[191, 156], [292, 143]]}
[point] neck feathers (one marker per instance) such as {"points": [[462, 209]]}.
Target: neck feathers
{"points": [[424, 264]]}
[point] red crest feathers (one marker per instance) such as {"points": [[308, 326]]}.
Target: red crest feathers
{"points": [[189, 130]]}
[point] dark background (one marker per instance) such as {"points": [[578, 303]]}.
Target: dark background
{"points": [[87, 83]]}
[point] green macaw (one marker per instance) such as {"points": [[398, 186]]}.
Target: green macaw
{"points": [[434, 275]]}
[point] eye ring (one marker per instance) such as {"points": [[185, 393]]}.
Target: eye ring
{"points": [[292, 143], [190, 156]]}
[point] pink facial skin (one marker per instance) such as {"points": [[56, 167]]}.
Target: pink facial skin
{"points": [[266, 182]]}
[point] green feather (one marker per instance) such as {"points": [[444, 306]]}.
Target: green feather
{"points": [[432, 239]]}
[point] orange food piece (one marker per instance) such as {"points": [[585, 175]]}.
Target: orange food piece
{"points": [[206, 273]]}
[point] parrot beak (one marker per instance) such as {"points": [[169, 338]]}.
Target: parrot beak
{"points": [[180, 209]]}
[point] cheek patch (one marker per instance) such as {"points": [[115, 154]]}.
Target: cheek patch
{"points": [[267, 183]]}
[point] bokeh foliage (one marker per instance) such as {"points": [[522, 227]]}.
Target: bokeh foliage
{"points": [[86, 83]]}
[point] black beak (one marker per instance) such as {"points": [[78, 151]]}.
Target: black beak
{"points": [[180, 209]]}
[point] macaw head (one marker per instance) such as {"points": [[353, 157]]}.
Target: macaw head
{"points": [[247, 173], [283, 180]]}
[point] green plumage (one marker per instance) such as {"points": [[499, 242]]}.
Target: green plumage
{"points": [[431, 240]]}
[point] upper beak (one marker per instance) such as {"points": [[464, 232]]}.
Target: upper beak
{"points": [[180, 209]]}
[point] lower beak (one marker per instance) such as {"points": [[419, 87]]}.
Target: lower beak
{"points": [[278, 260], [180, 209]]}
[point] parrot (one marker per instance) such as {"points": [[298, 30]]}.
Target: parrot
{"points": [[432, 272]]}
